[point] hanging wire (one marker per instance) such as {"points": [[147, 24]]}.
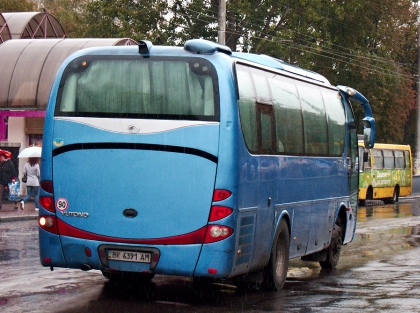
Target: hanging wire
{"points": [[357, 59]]}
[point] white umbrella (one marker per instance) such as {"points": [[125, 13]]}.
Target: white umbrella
{"points": [[30, 152]]}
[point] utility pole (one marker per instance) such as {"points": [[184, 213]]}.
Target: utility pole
{"points": [[417, 147], [222, 22]]}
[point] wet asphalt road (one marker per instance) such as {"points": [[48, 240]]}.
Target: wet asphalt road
{"points": [[378, 272]]}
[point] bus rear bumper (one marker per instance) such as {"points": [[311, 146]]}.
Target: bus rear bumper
{"points": [[215, 260], [172, 259], [208, 260], [50, 251]]}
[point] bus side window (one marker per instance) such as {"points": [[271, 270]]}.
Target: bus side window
{"points": [[288, 115], [407, 159], [265, 116], [247, 107], [68, 98], [336, 122], [399, 159], [368, 163], [363, 159], [378, 159], [389, 162], [265, 128], [261, 85], [314, 120]]}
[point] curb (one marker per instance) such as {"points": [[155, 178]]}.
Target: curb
{"points": [[411, 197], [9, 214], [18, 218]]}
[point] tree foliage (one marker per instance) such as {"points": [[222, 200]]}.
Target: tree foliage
{"points": [[136, 19], [17, 6], [192, 19], [372, 46], [68, 13], [368, 45]]}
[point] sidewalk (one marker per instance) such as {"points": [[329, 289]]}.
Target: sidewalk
{"points": [[9, 214]]}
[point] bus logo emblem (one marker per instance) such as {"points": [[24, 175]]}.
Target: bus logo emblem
{"points": [[58, 142], [134, 129]]}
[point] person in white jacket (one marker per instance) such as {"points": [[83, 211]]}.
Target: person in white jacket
{"points": [[32, 172]]}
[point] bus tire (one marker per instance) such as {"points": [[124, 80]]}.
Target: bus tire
{"points": [[333, 251], [369, 193], [395, 195], [275, 272]]}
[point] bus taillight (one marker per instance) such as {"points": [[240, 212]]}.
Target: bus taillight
{"points": [[221, 194], [218, 212], [216, 233], [47, 203], [48, 223], [47, 185]]}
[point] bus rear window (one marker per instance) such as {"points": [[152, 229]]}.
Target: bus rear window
{"points": [[139, 88]]}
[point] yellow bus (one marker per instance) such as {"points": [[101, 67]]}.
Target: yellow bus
{"points": [[385, 172]]}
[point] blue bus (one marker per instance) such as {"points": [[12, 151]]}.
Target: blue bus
{"points": [[196, 161]]}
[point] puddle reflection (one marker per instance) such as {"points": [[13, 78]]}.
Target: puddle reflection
{"points": [[396, 210]]}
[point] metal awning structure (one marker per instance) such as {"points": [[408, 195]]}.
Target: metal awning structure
{"points": [[32, 48], [4, 30], [33, 25], [28, 68]]}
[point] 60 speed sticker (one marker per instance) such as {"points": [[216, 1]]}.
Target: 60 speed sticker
{"points": [[62, 204]]}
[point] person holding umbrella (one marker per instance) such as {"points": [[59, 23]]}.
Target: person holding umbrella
{"points": [[32, 172], [7, 173]]}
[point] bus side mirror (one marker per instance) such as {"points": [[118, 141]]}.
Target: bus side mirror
{"points": [[369, 127]]}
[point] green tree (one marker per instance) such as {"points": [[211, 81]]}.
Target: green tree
{"points": [[136, 19], [372, 46], [257, 26], [192, 19], [69, 13], [273, 27], [369, 45], [17, 6]]}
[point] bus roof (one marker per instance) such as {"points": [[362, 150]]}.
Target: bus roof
{"points": [[387, 146], [205, 47], [280, 65]]}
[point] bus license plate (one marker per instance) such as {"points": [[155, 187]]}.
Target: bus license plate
{"points": [[129, 256]]}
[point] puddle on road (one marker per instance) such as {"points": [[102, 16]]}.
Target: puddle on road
{"points": [[381, 230], [299, 272], [397, 210]]}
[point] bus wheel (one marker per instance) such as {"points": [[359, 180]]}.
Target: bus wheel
{"points": [[395, 195], [275, 272], [333, 251], [369, 193]]}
